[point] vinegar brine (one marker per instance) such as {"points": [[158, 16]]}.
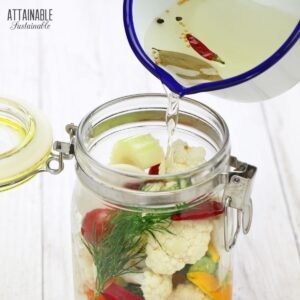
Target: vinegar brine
{"points": [[172, 115], [208, 40]]}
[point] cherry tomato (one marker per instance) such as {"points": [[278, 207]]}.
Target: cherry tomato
{"points": [[95, 223]]}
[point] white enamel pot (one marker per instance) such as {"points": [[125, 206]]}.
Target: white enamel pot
{"points": [[275, 75]]}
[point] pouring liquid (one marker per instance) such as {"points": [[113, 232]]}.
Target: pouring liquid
{"points": [[242, 33], [172, 114]]}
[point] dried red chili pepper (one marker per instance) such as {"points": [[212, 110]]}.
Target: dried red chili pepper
{"points": [[116, 292], [204, 211], [200, 48], [154, 170]]}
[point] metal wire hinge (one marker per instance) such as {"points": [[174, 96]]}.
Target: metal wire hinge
{"points": [[237, 199], [62, 151]]}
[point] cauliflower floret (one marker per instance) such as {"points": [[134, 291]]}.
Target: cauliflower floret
{"points": [[184, 157], [184, 154], [187, 292], [156, 287], [186, 244]]}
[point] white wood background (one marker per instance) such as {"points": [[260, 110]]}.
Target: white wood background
{"points": [[84, 60]]}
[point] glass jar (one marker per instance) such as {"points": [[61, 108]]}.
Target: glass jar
{"points": [[132, 243]]}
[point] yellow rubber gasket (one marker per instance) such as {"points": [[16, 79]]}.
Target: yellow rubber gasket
{"points": [[31, 154]]}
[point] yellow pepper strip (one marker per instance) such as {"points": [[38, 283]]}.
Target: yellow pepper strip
{"points": [[207, 283], [210, 286], [213, 252]]}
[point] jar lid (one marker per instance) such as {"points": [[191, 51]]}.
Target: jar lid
{"points": [[25, 142]]}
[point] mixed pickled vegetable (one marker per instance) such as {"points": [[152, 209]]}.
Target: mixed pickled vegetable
{"points": [[158, 254]]}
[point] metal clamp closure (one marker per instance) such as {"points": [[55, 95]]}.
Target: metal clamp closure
{"points": [[63, 151], [237, 199]]}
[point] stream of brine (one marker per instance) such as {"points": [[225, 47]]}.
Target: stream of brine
{"points": [[172, 115]]}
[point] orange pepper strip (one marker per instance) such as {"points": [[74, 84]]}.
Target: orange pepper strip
{"points": [[225, 293], [90, 294], [207, 283]]}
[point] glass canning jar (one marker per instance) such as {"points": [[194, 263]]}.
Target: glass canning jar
{"points": [[133, 244], [130, 243]]}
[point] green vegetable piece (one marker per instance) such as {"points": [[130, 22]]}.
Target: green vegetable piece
{"points": [[206, 265], [135, 289], [170, 186], [185, 270], [152, 187], [141, 151], [184, 183]]}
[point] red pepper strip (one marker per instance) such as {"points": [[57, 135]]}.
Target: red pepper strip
{"points": [[116, 292], [154, 170], [200, 48], [132, 186], [204, 211]]}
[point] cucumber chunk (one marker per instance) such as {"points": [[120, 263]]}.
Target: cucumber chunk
{"points": [[142, 151]]}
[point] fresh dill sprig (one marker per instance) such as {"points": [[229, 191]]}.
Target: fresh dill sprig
{"points": [[121, 245]]}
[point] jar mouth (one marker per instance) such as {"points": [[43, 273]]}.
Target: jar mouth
{"points": [[88, 125]]}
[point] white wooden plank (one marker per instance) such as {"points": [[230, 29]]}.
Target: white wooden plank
{"points": [[20, 209], [20, 243], [282, 117]]}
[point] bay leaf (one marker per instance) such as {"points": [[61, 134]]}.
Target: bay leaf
{"points": [[202, 70]]}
